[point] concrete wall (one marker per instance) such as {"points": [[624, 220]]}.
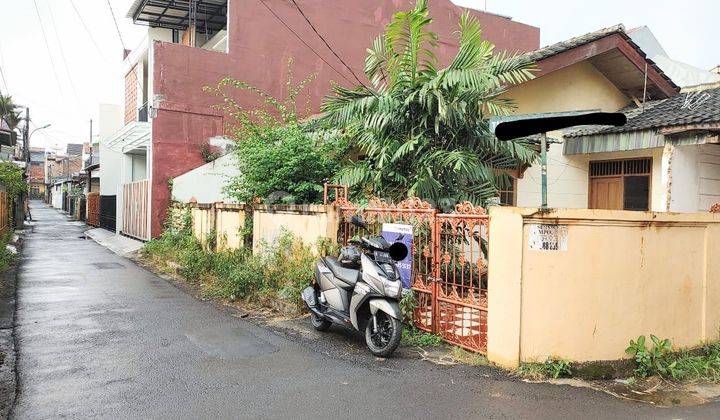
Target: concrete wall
{"points": [[110, 120], [577, 87], [203, 221], [307, 222], [184, 118], [138, 167], [229, 223], [621, 275], [225, 221], [709, 176], [57, 201], [569, 182], [205, 184]]}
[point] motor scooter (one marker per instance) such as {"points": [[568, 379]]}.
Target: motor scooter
{"points": [[360, 290]]}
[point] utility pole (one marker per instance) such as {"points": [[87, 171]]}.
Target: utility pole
{"points": [[26, 138], [20, 205]]}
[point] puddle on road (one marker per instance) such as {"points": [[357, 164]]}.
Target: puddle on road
{"points": [[654, 391]]}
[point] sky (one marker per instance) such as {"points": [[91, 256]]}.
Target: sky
{"points": [[64, 73]]}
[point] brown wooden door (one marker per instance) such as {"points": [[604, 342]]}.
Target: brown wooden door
{"points": [[606, 193]]}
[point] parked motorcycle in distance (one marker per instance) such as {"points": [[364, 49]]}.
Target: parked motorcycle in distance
{"points": [[360, 290]]}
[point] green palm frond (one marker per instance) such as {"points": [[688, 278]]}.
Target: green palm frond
{"points": [[423, 131]]}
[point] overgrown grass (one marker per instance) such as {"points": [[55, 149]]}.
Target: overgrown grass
{"points": [[552, 368], [699, 364], [461, 355], [414, 337], [271, 279], [6, 257]]}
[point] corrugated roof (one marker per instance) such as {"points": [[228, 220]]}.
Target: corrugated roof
{"points": [[690, 108]]}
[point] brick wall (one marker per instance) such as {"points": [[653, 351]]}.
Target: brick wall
{"points": [[131, 84]]}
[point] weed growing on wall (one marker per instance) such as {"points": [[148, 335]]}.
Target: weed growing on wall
{"points": [[553, 367], [658, 358]]}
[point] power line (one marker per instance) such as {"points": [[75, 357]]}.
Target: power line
{"points": [[303, 41], [2, 73], [92, 38], [62, 55], [52, 62], [117, 28], [328, 45]]}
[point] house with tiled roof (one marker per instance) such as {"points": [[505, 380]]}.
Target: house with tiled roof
{"points": [[668, 145], [676, 155]]}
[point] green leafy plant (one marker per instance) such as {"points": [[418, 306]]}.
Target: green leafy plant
{"points": [[12, 177], [408, 303], [422, 130], [558, 368], [698, 364], [8, 111], [553, 367], [281, 159], [414, 337], [271, 279], [209, 153], [6, 257], [651, 360]]}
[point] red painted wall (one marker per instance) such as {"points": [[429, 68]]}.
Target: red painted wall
{"points": [[259, 49]]}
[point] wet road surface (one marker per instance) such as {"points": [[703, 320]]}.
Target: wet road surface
{"points": [[100, 337]]}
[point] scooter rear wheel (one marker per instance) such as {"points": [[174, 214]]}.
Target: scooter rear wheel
{"points": [[384, 341], [318, 323]]}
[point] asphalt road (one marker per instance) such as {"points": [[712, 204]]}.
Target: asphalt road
{"points": [[99, 336]]}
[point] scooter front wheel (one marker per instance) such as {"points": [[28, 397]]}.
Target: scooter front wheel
{"points": [[383, 340], [318, 323]]}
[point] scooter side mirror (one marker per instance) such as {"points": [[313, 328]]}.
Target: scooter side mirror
{"points": [[398, 251], [358, 221]]}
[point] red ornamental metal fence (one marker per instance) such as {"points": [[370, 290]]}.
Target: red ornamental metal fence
{"points": [[449, 272]]}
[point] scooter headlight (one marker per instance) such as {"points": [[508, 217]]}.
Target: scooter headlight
{"points": [[393, 288]]}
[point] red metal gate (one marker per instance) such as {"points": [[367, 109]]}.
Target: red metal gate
{"points": [[449, 275], [93, 209]]}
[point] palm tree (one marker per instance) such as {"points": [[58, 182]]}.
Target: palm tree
{"points": [[8, 112], [424, 131]]}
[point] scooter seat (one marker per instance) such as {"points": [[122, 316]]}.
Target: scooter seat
{"points": [[346, 275]]}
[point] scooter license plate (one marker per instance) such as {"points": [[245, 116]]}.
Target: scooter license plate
{"points": [[382, 256]]}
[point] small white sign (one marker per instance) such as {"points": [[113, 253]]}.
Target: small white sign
{"points": [[548, 237]]}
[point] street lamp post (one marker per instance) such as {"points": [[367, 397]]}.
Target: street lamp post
{"points": [[20, 221]]}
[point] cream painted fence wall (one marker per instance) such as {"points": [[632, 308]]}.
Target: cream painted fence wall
{"points": [[227, 222], [307, 222], [615, 275]]}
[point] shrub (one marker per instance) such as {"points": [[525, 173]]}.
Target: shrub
{"points": [[274, 278], [280, 158], [702, 363]]}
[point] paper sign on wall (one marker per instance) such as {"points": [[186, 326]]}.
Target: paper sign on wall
{"points": [[394, 232], [548, 238]]}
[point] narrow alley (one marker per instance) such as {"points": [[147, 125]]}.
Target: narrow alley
{"points": [[99, 336]]}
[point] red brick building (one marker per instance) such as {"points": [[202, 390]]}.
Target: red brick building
{"points": [[169, 117]]}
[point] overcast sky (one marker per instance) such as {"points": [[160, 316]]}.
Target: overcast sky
{"points": [[87, 62]]}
